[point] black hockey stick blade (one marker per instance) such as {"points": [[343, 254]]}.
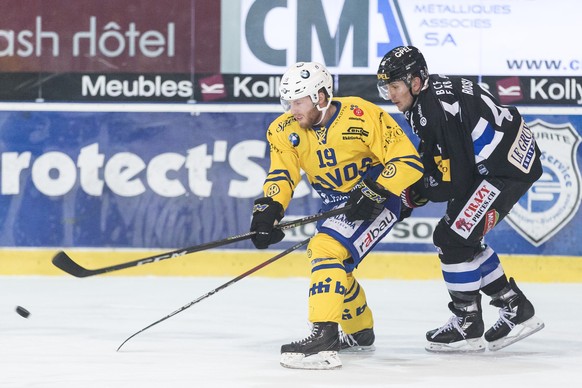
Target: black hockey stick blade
{"points": [[64, 262], [214, 291]]}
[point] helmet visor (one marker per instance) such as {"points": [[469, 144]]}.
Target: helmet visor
{"points": [[286, 104], [384, 89]]}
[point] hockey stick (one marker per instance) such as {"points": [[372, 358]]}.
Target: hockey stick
{"points": [[64, 262], [214, 291]]}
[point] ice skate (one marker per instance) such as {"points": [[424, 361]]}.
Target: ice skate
{"points": [[517, 319], [461, 334], [318, 351], [358, 342]]}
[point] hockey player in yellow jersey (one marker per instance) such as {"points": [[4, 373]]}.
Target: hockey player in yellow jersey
{"points": [[354, 153]]}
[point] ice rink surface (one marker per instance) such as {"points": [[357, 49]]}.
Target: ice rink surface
{"points": [[232, 339]]}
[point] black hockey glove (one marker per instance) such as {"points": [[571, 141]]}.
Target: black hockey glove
{"points": [[265, 213], [410, 199], [367, 201]]}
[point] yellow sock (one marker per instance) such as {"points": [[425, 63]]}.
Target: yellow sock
{"points": [[328, 279], [356, 313]]}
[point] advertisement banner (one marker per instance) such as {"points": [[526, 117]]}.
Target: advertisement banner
{"points": [[236, 50], [251, 88], [510, 90], [457, 37], [170, 180], [495, 38], [104, 36]]}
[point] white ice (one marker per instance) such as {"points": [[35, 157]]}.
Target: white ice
{"points": [[232, 338]]}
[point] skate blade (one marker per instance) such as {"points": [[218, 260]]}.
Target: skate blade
{"points": [[320, 361], [475, 345], [358, 349], [519, 332]]}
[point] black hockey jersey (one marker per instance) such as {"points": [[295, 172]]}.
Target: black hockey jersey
{"points": [[466, 134]]}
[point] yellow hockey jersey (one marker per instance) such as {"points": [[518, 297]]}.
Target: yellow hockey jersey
{"points": [[359, 138]]}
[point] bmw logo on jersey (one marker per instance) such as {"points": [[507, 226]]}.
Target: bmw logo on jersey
{"points": [[294, 139]]}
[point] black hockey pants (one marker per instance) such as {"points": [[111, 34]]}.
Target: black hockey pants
{"points": [[459, 234]]}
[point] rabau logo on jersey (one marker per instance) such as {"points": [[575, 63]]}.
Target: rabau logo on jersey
{"points": [[349, 36], [375, 231], [555, 198]]}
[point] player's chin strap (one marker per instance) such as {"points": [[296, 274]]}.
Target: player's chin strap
{"points": [[415, 98], [323, 111]]}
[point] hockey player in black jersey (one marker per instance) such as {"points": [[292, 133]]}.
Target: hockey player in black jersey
{"points": [[480, 157]]}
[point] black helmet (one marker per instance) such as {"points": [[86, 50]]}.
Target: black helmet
{"points": [[401, 63]]}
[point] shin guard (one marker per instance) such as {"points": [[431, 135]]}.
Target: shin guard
{"points": [[328, 284], [356, 314]]}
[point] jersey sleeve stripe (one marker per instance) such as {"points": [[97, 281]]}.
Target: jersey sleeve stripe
{"points": [[277, 179], [284, 172], [411, 161], [485, 139], [413, 157], [415, 166]]}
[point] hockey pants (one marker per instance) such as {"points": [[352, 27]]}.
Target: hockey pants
{"points": [[468, 265]]}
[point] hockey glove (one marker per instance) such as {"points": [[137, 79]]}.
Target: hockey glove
{"points": [[410, 200], [265, 213], [367, 201]]}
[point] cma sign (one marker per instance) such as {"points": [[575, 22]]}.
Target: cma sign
{"points": [[349, 36]]}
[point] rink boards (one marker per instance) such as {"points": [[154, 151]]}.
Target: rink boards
{"points": [[378, 265], [117, 179]]}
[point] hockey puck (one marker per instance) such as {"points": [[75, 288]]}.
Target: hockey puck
{"points": [[22, 311]]}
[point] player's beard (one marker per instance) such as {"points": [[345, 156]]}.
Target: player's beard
{"points": [[310, 119]]}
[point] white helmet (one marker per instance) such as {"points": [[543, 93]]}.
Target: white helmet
{"points": [[305, 79]]}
